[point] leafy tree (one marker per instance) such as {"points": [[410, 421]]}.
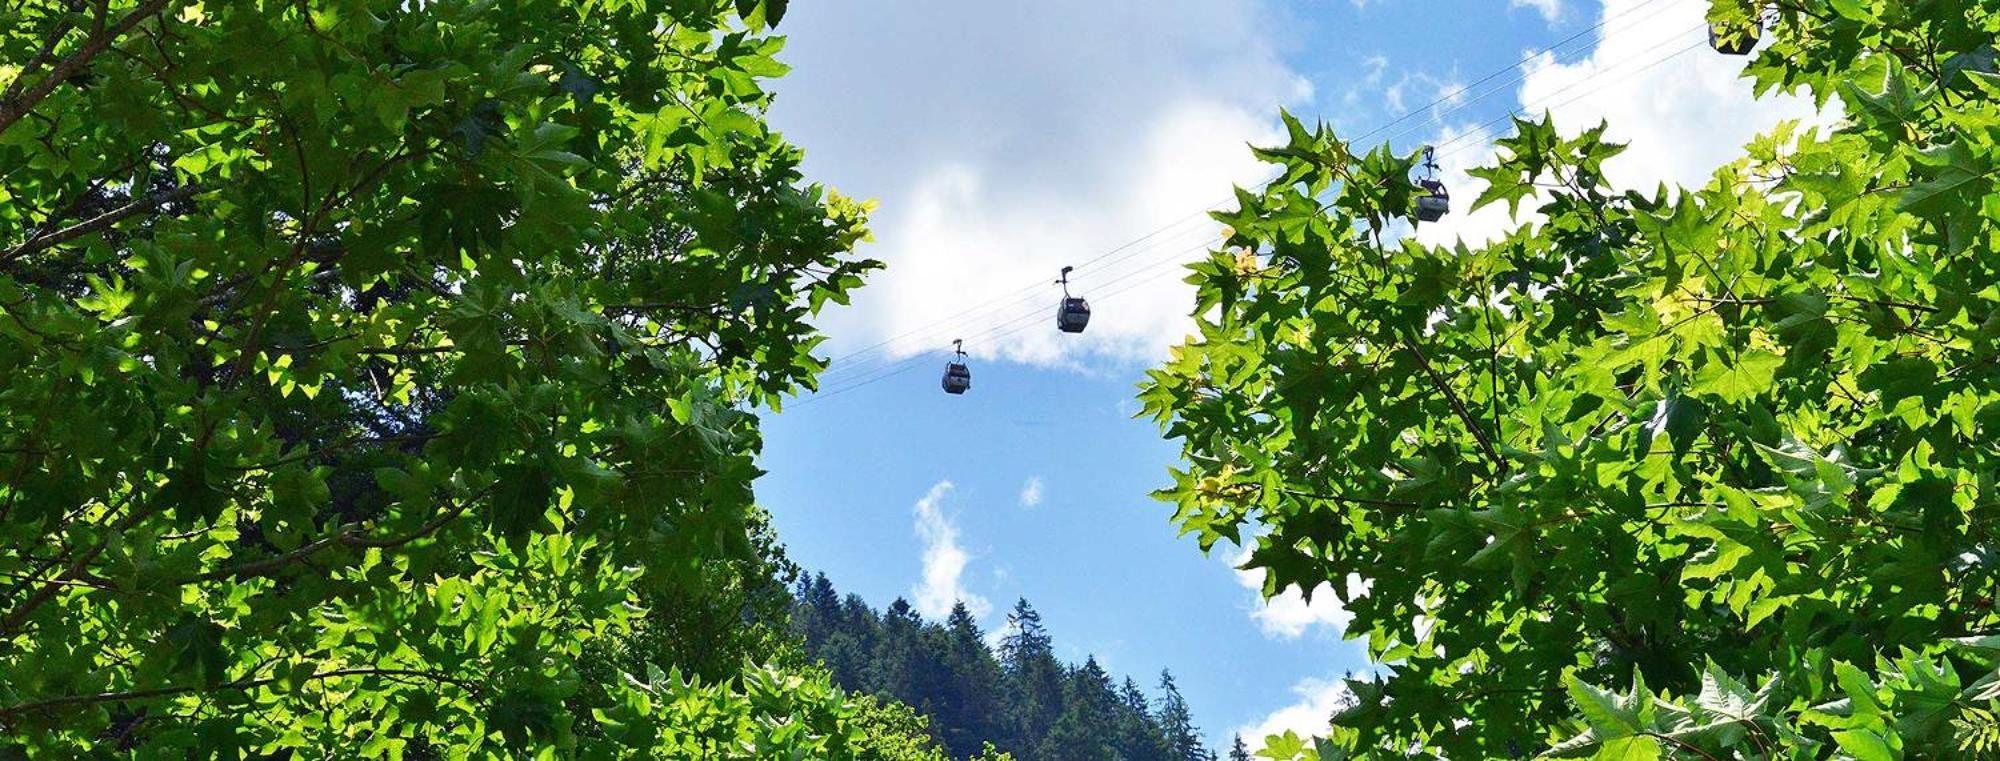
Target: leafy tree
{"points": [[1680, 440], [895, 732], [763, 714], [365, 371], [733, 611]]}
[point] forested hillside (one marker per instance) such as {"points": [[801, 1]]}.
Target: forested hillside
{"points": [[1022, 701]]}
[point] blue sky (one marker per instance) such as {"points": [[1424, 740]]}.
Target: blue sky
{"points": [[1004, 140]]}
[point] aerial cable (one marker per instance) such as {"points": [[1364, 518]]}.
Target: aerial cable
{"points": [[846, 364], [1520, 75], [1019, 323], [992, 334], [907, 364], [1133, 249], [1517, 67], [1515, 112], [1551, 49]]}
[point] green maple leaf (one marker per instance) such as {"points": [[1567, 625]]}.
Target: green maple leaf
{"points": [[1750, 374]]}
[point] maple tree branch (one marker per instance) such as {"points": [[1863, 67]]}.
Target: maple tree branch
{"points": [[102, 222], [40, 58], [1457, 405], [19, 103], [241, 684], [349, 536]]}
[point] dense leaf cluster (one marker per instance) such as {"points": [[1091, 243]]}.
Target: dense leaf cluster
{"points": [[1649, 438], [1024, 702], [373, 380]]}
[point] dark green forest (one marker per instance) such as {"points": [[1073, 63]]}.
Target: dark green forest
{"points": [[1021, 700]]}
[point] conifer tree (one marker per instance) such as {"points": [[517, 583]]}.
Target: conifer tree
{"points": [[1084, 729], [1137, 733], [1237, 752], [1177, 723], [818, 615], [1034, 677], [892, 670], [972, 713], [977, 702]]}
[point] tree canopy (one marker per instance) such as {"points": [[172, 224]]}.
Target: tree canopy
{"points": [[374, 379], [1691, 473]]}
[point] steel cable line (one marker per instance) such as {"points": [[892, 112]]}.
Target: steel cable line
{"points": [[1017, 325], [1593, 91], [1013, 294], [1551, 49], [1435, 117], [1521, 75], [1003, 330], [1014, 326], [864, 365]]}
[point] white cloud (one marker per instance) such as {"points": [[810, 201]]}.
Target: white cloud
{"points": [[1682, 108], [1551, 10], [944, 561], [1003, 146], [1438, 93], [1290, 615], [1031, 492], [1308, 716], [1683, 117], [1377, 65]]}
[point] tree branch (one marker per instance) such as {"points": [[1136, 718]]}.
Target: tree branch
{"points": [[349, 536], [160, 692], [1457, 405], [41, 57], [101, 222], [1365, 501], [20, 103]]}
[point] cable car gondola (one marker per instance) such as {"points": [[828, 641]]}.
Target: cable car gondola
{"points": [[1737, 37], [1435, 202], [957, 379], [1073, 313], [1730, 39]]}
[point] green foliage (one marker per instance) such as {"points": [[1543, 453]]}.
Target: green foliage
{"points": [[373, 377], [1647, 439], [765, 713]]}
